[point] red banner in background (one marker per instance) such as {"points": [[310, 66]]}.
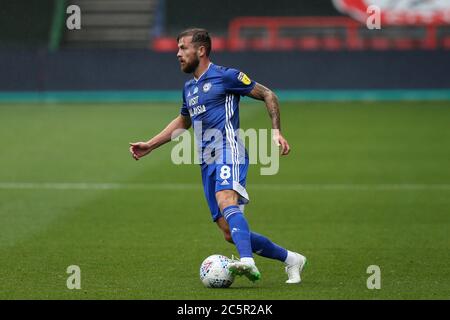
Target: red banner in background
{"points": [[399, 12]]}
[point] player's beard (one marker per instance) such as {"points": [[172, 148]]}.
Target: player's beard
{"points": [[190, 67]]}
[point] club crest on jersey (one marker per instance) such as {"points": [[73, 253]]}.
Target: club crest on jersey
{"points": [[242, 77], [206, 87]]}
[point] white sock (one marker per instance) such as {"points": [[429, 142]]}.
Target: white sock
{"points": [[248, 260], [291, 258]]}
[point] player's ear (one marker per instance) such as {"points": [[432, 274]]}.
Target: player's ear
{"points": [[201, 51]]}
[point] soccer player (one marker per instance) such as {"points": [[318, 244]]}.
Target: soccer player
{"points": [[211, 101]]}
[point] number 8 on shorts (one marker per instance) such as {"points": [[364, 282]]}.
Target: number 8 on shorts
{"points": [[225, 172]]}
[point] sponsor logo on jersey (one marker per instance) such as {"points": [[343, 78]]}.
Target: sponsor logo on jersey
{"points": [[197, 110], [206, 87], [242, 77], [224, 183], [193, 101]]}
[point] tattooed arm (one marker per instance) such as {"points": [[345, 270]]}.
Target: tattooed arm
{"points": [[260, 92]]}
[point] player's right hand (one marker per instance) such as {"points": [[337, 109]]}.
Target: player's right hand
{"points": [[139, 149]]}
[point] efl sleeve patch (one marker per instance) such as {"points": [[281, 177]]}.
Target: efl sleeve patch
{"points": [[242, 77]]}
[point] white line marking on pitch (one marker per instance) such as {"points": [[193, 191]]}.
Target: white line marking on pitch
{"points": [[192, 186]]}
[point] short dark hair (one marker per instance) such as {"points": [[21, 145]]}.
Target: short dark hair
{"points": [[200, 37]]}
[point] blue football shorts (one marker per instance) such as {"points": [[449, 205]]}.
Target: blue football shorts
{"points": [[217, 177]]}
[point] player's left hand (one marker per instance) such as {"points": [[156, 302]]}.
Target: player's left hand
{"points": [[281, 142]]}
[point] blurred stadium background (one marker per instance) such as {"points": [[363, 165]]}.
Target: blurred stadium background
{"points": [[367, 113], [299, 47]]}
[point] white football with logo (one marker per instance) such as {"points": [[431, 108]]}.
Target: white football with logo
{"points": [[214, 272]]}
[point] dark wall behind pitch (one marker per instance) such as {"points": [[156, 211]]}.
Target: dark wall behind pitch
{"points": [[38, 70], [215, 15], [25, 23]]}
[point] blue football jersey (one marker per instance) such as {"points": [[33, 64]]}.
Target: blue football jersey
{"points": [[212, 102]]}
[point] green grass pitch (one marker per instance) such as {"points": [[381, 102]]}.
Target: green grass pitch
{"points": [[365, 184]]}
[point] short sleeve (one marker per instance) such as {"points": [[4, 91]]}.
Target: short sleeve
{"points": [[237, 82], [184, 110]]}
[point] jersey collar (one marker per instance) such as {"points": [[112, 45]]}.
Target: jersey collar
{"points": [[209, 65]]}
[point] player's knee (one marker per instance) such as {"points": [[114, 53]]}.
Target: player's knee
{"points": [[226, 198]]}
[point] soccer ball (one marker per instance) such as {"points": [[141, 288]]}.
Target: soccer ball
{"points": [[214, 272]]}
